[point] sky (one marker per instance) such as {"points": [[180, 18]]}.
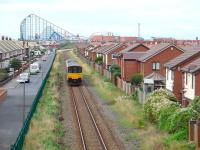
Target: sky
{"points": [[158, 18]]}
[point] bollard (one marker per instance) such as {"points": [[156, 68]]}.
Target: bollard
{"points": [[191, 129]]}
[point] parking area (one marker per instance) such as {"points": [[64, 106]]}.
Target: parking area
{"points": [[12, 108]]}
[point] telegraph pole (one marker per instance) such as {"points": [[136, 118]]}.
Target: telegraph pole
{"points": [[138, 29]]}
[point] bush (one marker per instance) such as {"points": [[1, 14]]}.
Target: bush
{"points": [[115, 70], [106, 79], [3, 74], [136, 79], [165, 113], [15, 63], [196, 104], [135, 96], [181, 135], [117, 73], [165, 93], [179, 120], [157, 100]]}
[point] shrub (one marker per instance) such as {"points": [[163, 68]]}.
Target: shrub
{"points": [[135, 96], [157, 101], [136, 79], [196, 104], [180, 135], [106, 79], [117, 73], [115, 70], [179, 120], [165, 93], [114, 67], [165, 113], [3, 74], [15, 63]]}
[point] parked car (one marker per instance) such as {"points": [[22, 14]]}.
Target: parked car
{"points": [[24, 78]]}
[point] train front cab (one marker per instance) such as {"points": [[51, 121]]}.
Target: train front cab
{"points": [[74, 75]]}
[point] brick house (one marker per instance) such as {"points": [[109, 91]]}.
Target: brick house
{"points": [[127, 59], [191, 81], [87, 50], [108, 54], [174, 76], [82, 47], [98, 51], [90, 52], [151, 64]]}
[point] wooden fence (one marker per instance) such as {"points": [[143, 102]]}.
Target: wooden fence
{"points": [[194, 132]]}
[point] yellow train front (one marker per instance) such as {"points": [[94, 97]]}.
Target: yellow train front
{"points": [[74, 72]]}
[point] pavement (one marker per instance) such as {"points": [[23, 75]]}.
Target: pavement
{"points": [[11, 109]]}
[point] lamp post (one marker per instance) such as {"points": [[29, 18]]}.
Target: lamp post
{"points": [[24, 98]]}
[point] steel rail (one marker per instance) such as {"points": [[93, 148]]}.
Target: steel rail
{"points": [[78, 120], [93, 119]]}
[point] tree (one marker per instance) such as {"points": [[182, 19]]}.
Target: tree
{"points": [[3, 74], [15, 63], [136, 79], [115, 70]]}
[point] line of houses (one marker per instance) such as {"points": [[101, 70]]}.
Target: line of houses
{"points": [[10, 49], [163, 65]]}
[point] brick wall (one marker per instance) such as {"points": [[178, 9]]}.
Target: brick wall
{"points": [[162, 57], [197, 84], [129, 68]]}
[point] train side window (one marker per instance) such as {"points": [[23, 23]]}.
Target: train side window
{"points": [[70, 70]]}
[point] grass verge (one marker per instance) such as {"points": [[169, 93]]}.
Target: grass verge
{"points": [[46, 131], [130, 114]]}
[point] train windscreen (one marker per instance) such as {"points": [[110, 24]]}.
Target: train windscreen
{"points": [[74, 69]]}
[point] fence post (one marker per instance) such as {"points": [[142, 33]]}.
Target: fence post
{"points": [[197, 134], [191, 129]]}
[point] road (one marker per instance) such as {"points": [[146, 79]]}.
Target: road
{"points": [[11, 109]]}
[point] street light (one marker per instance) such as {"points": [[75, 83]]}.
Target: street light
{"points": [[24, 98]]}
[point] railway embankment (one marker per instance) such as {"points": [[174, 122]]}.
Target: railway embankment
{"points": [[46, 130], [127, 114]]}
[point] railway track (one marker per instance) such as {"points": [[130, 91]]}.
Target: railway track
{"points": [[91, 136], [93, 130]]}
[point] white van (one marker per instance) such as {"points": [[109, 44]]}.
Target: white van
{"points": [[35, 68]]}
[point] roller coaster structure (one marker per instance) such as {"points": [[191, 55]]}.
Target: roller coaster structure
{"points": [[35, 28]]}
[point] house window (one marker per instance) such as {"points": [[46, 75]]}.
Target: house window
{"points": [[113, 56], [172, 75], [156, 66]]}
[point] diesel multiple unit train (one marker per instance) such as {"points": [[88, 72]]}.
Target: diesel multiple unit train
{"points": [[74, 72]]}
